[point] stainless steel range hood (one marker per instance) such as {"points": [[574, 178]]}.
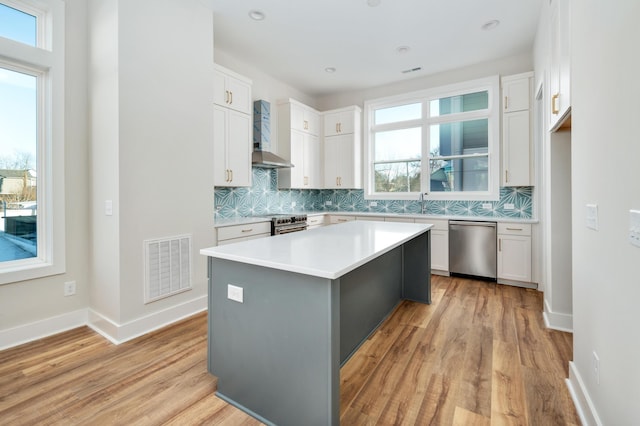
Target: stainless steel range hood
{"points": [[268, 160], [261, 156]]}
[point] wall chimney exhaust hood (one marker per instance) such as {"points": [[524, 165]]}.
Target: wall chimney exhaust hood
{"points": [[261, 156]]}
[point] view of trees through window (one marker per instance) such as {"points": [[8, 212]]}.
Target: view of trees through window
{"points": [[18, 143]]}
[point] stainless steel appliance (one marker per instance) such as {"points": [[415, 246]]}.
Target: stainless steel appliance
{"points": [[286, 223], [472, 248]]}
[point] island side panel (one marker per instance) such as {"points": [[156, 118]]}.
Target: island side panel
{"points": [[417, 269], [277, 353], [368, 294]]}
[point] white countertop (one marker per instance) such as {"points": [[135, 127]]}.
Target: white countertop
{"points": [[326, 252]]}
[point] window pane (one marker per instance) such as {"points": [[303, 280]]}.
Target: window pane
{"points": [[17, 25], [401, 144], [460, 137], [398, 113], [461, 103], [18, 146], [464, 174], [398, 177]]}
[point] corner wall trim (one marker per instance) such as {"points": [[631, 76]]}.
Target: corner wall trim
{"points": [[43, 328], [584, 406], [557, 321], [120, 333]]}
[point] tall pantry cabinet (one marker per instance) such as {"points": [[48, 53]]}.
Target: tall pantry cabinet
{"points": [[232, 120]]}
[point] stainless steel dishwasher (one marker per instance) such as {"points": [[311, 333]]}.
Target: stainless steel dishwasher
{"points": [[472, 248]]}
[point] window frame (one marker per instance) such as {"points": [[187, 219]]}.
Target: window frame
{"points": [[492, 113], [46, 61]]}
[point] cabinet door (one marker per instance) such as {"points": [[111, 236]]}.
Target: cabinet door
{"points": [[312, 122], [516, 148], [559, 64], [311, 161], [515, 94], [220, 170], [297, 118], [345, 161], [239, 95], [297, 158], [219, 89], [330, 163], [338, 123], [514, 257], [239, 148], [231, 147], [440, 250]]}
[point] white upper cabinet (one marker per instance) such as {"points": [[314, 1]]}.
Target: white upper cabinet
{"points": [[517, 146], [298, 143], [304, 118], [340, 122], [342, 148], [231, 90], [560, 64], [232, 123]]}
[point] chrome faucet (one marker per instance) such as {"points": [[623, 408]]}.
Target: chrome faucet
{"points": [[423, 207]]}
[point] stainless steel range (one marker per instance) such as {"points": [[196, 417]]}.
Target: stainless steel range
{"points": [[286, 223]]}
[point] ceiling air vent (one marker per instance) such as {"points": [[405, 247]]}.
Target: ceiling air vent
{"points": [[411, 70]]}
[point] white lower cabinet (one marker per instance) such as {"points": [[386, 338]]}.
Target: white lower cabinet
{"points": [[236, 233], [514, 253], [333, 219], [439, 245], [315, 221]]}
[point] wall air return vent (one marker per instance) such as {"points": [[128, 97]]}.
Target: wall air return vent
{"points": [[167, 267]]}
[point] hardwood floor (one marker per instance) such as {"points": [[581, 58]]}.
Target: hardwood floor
{"points": [[479, 355]]}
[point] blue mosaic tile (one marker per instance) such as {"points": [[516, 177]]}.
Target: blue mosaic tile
{"points": [[264, 197]]}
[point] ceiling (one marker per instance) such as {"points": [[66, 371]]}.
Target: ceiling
{"points": [[298, 39]]}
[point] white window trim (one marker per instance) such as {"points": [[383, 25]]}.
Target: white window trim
{"points": [[492, 84], [47, 60]]}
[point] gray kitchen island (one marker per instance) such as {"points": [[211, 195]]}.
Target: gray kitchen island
{"points": [[286, 312]]}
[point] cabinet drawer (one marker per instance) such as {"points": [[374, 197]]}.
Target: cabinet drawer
{"points": [[514, 228], [439, 224], [238, 231], [398, 219], [340, 219], [315, 221]]}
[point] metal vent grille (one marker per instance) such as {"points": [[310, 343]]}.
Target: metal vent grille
{"points": [[167, 267]]}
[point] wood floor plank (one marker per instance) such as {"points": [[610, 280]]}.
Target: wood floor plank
{"points": [[479, 354]]}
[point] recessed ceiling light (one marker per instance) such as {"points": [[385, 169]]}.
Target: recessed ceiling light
{"points": [[403, 49], [373, 3], [330, 70], [490, 25], [257, 15]]}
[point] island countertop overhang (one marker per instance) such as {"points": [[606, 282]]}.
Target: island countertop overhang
{"points": [[326, 252]]}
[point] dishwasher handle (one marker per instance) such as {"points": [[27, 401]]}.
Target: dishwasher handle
{"points": [[472, 223]]}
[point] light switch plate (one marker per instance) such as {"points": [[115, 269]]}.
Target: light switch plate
{"points": [[235, 293], [634, 227], [373, 204], [592, 216], [328, 203]]}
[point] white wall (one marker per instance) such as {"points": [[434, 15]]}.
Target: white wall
{"points": [[152, 152], [605, 152], [23, 305]]}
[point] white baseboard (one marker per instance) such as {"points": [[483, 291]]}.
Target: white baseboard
{"points": [[116, 333], [42, 328], [557, 321], [584, 406], [120, 333]]}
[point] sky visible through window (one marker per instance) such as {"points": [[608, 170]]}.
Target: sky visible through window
{"points": [[18, 101]]}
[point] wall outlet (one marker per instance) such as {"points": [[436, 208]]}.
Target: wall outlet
{"points": [[235, 293], [328, 203], [486, 206], [69, 288], [108, 208], [596, 367], [592, 216], [293, 204], [509, 206], [373, 204]]}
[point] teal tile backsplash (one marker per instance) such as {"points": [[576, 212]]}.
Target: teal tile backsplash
{"points": [[264, 197]]}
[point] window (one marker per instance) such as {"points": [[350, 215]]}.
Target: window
{"points": [[441, 141], [31, 139]]}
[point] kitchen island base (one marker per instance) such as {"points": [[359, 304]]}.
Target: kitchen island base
{"points": [[277, 355]]}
